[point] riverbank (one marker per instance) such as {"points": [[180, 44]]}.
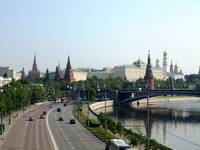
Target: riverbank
{"points": [[137, 140], [163, 99]]}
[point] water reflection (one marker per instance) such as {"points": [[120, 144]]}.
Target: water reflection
{"points": [[175, 124]]}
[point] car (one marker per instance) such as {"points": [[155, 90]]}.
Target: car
{"points": [[58, 100], [44, 113], [64, 104], [51, 106], [58, 109], [60, 119], [41, 116], [30, 119], [72, 121]]}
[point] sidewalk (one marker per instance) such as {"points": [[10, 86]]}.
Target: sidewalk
{"points": [[13, 120]]}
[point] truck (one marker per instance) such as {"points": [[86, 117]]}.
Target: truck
{"points": [[117, 144]]}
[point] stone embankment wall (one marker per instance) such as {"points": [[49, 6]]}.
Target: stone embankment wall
{"points": [[156, 100], [99, 105]]}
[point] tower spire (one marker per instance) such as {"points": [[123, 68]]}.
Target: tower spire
{"points": [[23, 74], [34, 73], [165, 61], [149, 78], [171, 69], [35, 64], [68, 72]]}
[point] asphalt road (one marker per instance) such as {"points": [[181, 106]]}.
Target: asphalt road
{"points": [[71, 136], [29, 135]]}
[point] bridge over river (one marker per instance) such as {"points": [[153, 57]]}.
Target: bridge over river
{"points": [[127, 96]]}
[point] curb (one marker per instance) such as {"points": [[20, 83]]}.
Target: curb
{"points": [[87, 127]]}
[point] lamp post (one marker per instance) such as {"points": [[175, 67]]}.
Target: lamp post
{"points": [[88, 113], [22, 99], [98, 92], [116, 105], [9, 120], [105, 116], [16, 100], [1, 111], [147, 142]]}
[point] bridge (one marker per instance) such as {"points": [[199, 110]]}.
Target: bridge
{"points": [[127, 96]]}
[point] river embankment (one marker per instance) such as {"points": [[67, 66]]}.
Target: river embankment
{"points": [[163, 99]]}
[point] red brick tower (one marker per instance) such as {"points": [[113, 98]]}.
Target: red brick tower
{"points": [[34, 73], [68, 76], [149, 78]]}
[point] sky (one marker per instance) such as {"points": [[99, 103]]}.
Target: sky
{"points": [[99, 33]]}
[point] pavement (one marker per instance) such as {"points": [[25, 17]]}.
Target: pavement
{"points": [[71, 136], [29, 135]]}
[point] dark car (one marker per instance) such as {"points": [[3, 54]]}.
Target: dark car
{"points": [[58, 110], [30, 119], [44, 113], [64, 104], [72, 121], [60, 119], [41, 116]]}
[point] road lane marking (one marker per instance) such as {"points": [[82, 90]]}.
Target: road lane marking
{"points": [[23, 139], [37, 135], [50, 132]]}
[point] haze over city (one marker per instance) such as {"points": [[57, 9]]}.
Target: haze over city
{"points": [[99, 33]]}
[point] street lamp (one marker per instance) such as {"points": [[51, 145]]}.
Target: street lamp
{"points": [[9, 120], [22, 100], [147, 142], [105, 116], [88, 113], [116, 105], [98, 92], [16, 100], [1, 111]]}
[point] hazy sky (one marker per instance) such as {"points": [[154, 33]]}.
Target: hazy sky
{"points": [[98, 33]]}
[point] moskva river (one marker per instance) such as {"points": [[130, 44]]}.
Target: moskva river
{"points": [[175, 124]]}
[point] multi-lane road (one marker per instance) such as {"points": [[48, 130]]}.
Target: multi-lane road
{"points": [[49, 133], [71, 136], [29, 135]]}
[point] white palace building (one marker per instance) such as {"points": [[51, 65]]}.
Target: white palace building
{"points": [[137, 70]]}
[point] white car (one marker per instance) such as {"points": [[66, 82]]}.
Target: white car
{"points": [[58, 101]]}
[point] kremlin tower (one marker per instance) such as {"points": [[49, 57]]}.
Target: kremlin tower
{"points": [[34, 73], [68, 76], [149, 78]]}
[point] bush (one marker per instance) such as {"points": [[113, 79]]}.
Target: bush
{"points": [[93, 122]]}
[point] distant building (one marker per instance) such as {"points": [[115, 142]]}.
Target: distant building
{"points": [[11, 72], [34, 73], [4, 81], [175, 73], [136, 70], [105, 73], [129, 73]]}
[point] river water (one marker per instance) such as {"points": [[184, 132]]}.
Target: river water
{"points": [[175, 124]]}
